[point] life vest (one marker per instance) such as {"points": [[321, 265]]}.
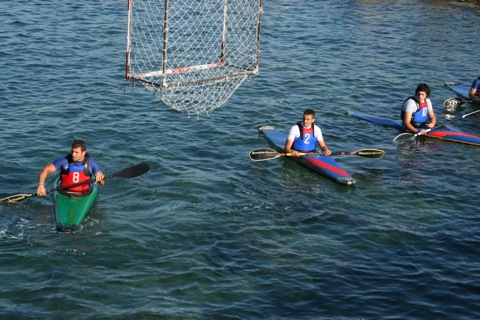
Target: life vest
{"points": [[420, 116], [74, 173], [306, 142]]}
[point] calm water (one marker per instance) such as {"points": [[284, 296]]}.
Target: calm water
{"points": [[209, 234]]}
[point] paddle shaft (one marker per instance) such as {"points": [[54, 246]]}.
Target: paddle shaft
{"points": [[448, 122], [263, 154], [366, 153], [130, 172], [415, 135]]}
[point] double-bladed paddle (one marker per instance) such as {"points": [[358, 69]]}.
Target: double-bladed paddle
{"points": [[128, 173], [452, 104], [407, 136], [264, 154]]}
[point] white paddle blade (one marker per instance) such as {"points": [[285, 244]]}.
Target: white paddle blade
{"points": [[453, 104], [405, 137]]}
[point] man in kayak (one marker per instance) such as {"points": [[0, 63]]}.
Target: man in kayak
{"points": [[303, 136], [75, 167], [417, 111], [474, 93]]}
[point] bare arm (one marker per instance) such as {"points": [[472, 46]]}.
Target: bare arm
{"points": [[324, 147], [473, 96], [406, 122], [433, 119], [288, 148], [49, 168], [99, 177]]}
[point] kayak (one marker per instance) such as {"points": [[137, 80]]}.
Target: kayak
{"points": [[462, 91], [71, 209], [324, 165], [444, 133]]}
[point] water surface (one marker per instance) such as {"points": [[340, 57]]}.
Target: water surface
{"points": [[209, 234]]}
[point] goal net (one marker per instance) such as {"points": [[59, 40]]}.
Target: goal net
{"points": [[193, 54]]}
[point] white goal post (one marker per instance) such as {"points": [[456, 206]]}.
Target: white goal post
{"points": [[193, 54]]}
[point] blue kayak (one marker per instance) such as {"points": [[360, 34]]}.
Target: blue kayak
{"points": [[444, 133], [462, 91], [324, 165]]}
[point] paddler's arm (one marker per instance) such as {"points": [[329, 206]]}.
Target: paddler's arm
{"points": [[49, 168], [433, 119], [100, 178], [324, 147], [288, 148], [473, 96], [406, 122]]}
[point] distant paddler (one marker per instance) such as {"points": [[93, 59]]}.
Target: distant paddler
{"points": [[474, 93], [417, 111], [75, 168]]}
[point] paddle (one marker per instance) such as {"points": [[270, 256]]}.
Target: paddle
{"points": [[407, 136], [452, 104], [128, 173], [264, 154]]}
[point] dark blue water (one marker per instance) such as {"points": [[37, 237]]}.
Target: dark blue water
{"points": [[209, 234]]}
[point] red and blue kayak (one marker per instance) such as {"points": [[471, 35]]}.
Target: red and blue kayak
{"points": [[324, 165], [444, 133]]}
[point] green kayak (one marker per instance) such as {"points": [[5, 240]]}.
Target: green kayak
{"points": [[71, 209]]}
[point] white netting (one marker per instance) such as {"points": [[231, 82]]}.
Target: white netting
{"points": [[193, 54]]}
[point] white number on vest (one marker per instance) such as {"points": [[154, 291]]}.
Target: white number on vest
{"points": [[76, 177], [307, 138]]}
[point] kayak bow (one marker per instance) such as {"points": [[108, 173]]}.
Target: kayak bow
{"points": [[71, 209]]}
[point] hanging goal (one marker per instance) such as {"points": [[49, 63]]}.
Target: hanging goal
{"points": [[193, 54]]}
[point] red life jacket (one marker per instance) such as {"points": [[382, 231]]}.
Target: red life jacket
{"points": [[75, 173]]}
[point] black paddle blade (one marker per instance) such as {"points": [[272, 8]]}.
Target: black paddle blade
{"points": [[369, 153], [132, 172], [17, 198], [263, 154]]}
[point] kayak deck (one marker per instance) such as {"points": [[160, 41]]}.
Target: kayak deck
{"points": [[462, 91], [324, 165], [70, 210], [444, 133]]}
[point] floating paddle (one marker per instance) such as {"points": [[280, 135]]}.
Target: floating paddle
{"points": [[452, 104], [127, 173], [264, 154], [407, 136]]}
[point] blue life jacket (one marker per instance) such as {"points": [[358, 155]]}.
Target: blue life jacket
{"points": [[420, 116], [306, 142]]}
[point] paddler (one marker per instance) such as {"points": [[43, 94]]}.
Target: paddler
{"points": [[75, 167], [474, 93], [304, 135], [417, 111]]}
